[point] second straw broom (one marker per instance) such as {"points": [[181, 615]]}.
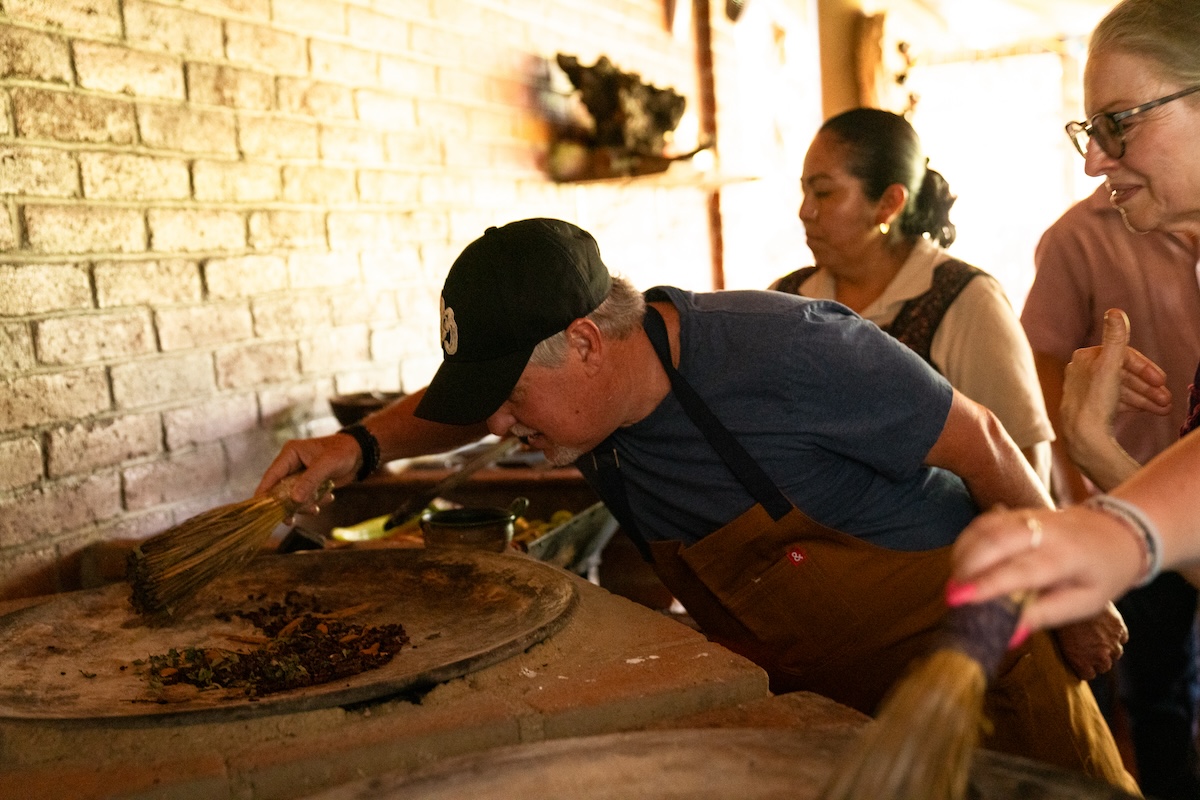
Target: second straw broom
{"points": [[921, 743]]}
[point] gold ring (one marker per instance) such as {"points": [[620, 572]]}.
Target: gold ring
{"points": [[1035, 532]]}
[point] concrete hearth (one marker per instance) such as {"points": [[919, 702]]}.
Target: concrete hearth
{"points": [[616, 666]]}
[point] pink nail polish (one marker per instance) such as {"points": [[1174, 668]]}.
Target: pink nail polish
{"points": [[1018, 637], [958, 594]]}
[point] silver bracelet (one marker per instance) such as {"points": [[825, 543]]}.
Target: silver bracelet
{"points": [[1140, 524]]}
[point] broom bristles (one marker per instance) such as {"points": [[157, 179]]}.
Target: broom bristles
{"points": [[167, 569], [921, 742]]}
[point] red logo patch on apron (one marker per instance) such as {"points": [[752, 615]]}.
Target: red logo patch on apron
{"points": [[797, 556]]}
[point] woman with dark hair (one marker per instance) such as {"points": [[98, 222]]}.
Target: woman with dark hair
{"points": [[877, 220]]}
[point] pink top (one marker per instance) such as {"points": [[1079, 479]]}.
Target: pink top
{"points": [[1088, 262]]}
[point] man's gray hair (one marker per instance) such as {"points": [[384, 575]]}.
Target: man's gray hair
{"points": [[618, 316]]}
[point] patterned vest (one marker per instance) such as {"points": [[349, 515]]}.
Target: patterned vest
{"points": [[919, 318]]}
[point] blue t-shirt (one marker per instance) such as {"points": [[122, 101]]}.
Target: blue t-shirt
{"points": [[839, 415]]}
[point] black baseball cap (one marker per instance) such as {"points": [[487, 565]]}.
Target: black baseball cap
{"points": [[509, 289]]}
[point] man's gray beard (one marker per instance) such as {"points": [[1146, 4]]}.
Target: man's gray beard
{"points": [[562, 456]]}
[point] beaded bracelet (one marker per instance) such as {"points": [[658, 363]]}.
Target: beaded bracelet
{"points": [[369, 446], [1137, 521]]}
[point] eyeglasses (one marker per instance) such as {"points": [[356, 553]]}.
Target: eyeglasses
{"points": [[1107, 130]]}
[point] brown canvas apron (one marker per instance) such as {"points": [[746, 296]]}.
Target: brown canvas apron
{"points": [[826, 612]]}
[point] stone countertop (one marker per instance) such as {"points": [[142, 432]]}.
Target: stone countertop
{"points": [[615, 666]]}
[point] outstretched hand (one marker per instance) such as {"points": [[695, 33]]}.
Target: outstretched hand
{"points": [[1078, 560]]}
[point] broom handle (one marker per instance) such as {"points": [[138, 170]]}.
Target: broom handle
{"points": [[282, 493], [983, 630]]}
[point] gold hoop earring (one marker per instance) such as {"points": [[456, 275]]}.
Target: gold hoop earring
{"points": [[884, 228]]}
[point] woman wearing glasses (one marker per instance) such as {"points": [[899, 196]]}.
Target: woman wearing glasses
{"points": [[1142, 87]]}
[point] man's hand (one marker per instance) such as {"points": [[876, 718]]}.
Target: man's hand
{"points": [[334, 458], [1092, 647]]}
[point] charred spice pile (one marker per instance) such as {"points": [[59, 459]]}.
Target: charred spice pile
{"points": [[303, 644]]}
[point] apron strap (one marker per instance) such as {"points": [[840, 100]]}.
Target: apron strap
{"points": [[603, 468], [740, 463]]}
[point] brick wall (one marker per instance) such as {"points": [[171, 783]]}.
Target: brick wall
{"points": [[216, 213]]}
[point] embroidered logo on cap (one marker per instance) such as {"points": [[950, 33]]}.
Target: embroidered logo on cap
{"points": [[449, 330], [796, 556]]}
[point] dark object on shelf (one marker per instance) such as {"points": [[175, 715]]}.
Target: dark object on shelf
{"points": [[629, 128], [628, 114], [350, 408]]}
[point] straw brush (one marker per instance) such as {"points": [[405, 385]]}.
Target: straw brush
{"points": [[167, 569], [921, 742]]}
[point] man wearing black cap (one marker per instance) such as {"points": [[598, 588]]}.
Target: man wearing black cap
{"points": [[794, 475]]}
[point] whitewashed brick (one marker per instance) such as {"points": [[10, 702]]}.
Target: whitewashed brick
{"points": [[253, 9], [316, 99], [189, 130], [388, 345], [211, 420], [407, 76], [84, 229], [125, 176], [282, 406], [117, 69], [192, 230], [357, 145], [38, 288], [55, 508], [34, 56], [16, 348], [93, 17], [66, 117], [402, 267], [199, 326], [388, 186], [319, 185], [244, 276], [221, 85], [296, 229], [415, 148], [249, 366], [175, 30], [290, 315], [68, 341], [32, 400], [311, 16], [20, 463], [180, 477], [316, 270], [277, 138], [448, 190], [90, 446], [336, 348], [373, 28], [385, 109], [235, 181], [159, 381], [166, 282], [38, 171], [342, 63], [370, 305], [274, 51], [8, 228]]}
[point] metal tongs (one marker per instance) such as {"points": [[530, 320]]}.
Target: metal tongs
{"points": [[410, 509]]}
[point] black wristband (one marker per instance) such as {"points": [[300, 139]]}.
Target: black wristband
{"points": [[369, 446]]}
